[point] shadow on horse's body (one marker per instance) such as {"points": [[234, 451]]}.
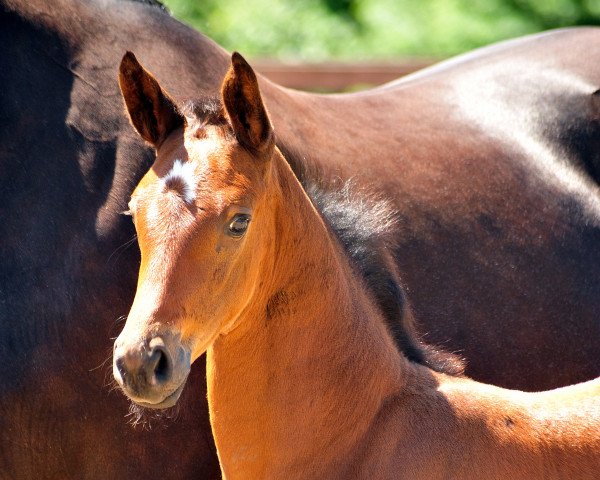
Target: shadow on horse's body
{"points": [[489, 160]]}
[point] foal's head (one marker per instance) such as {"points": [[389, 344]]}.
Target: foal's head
{"points": [[202, 215]]}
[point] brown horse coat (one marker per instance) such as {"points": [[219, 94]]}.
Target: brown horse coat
{"points": [[496, 248]]}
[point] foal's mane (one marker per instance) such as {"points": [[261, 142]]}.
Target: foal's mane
{"points": [[364, 224]]}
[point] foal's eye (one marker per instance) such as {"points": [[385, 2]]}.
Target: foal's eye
{"points": [[239, 225]]}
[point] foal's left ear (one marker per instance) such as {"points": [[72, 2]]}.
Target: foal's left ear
{"points": [[244, 106], [152, 111]]}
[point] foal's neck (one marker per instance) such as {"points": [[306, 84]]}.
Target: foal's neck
{"points": [[294, 387]]}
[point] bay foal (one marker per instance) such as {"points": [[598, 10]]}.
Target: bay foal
{"points": [[304, 379]]}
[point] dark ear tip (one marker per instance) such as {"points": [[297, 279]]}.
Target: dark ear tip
{"points": [[128, 62], [239, 62]]}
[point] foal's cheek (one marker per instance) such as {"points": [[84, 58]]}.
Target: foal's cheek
{"points": [[219, 273]]}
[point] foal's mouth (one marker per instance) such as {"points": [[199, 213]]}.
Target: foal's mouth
{"points": [[168, 402]]}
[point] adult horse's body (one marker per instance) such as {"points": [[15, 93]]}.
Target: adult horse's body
{"points": [[304, 379], [490, 161]]}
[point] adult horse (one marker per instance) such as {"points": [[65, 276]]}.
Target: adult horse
{"points": [[488, 159]]}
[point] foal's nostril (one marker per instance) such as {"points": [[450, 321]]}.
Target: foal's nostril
{"points": [[144, 370], [159, 366], [120, 363]]}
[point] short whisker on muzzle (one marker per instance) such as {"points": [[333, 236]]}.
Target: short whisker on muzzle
{"points": [[117, 323], [104, 362], [146, 418], [122, 248]]}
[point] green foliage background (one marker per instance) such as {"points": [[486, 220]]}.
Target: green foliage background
{"points": [[316, 30]]}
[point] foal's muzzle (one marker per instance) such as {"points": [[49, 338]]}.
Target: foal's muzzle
{"points": [[151, 372]]}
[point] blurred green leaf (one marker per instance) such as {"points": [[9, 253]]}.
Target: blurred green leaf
{"points": [[318, 30]]}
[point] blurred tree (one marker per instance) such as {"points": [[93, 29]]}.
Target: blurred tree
{"points": [[345, 8], [314, 30], [558, 13]]}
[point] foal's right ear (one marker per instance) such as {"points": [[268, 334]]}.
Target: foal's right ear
{"points": [[151, 111]]}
